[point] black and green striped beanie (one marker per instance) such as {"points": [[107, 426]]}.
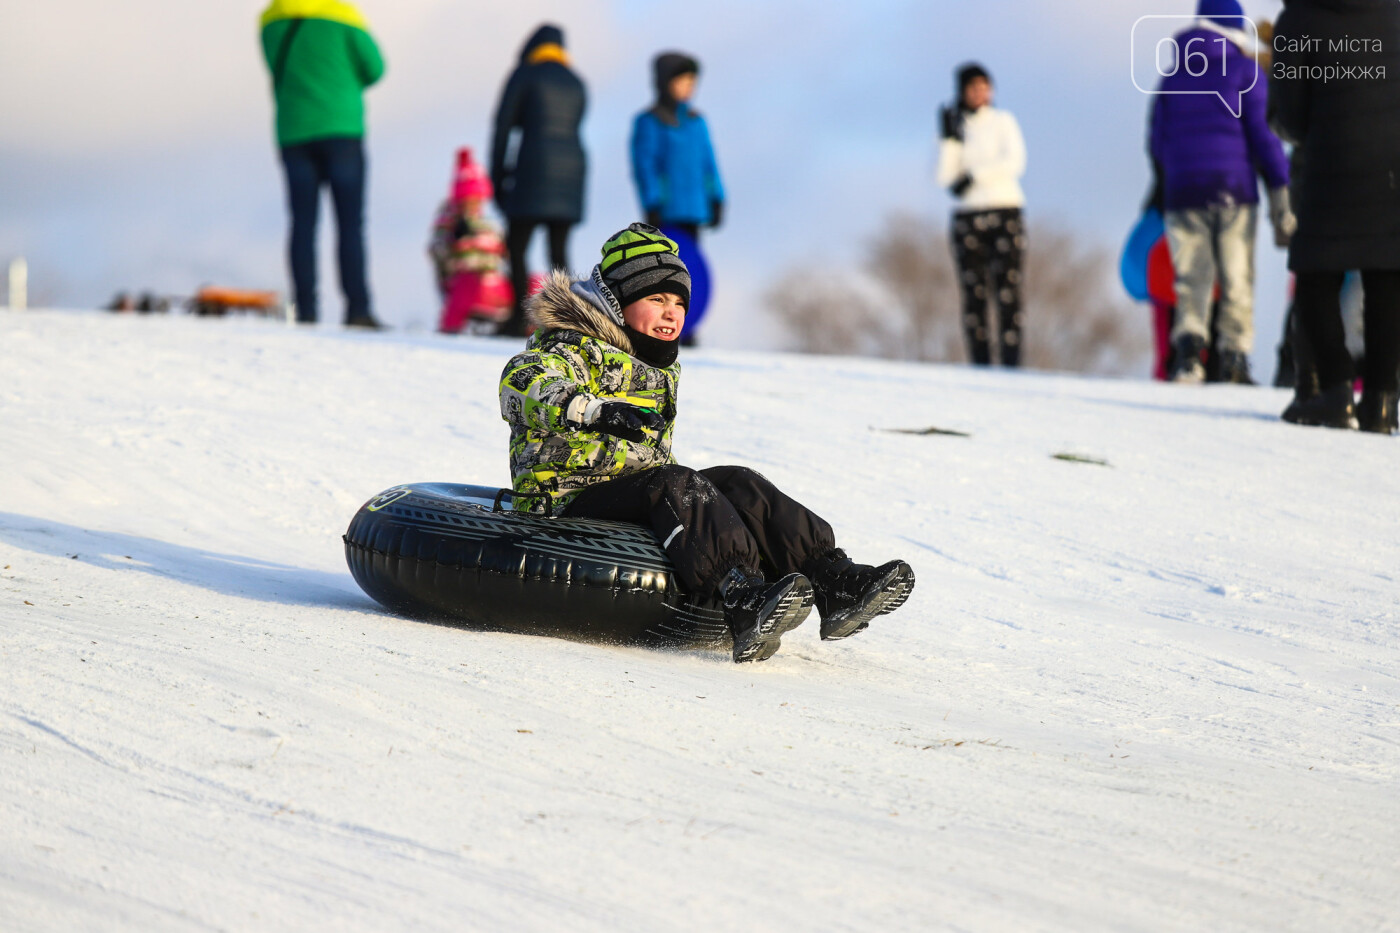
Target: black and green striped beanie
{"points": [[638, 262]]}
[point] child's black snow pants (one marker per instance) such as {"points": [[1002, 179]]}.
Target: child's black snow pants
{"points": [[988, 247], [712, 521]]}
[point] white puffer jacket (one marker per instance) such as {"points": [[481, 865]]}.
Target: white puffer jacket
{"points": [[993, 152]]}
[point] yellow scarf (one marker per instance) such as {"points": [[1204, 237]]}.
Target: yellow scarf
{"points": [[549, 52]]}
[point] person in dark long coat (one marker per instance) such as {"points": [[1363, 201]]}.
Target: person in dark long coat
{"points": [[1348, 128], [543, 103]]}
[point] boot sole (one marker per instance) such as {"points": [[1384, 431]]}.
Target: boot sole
{"points": [[783, 613], [1331, 408], [1340, 424], [892, 594]]}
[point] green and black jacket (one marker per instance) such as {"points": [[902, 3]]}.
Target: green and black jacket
{"points": [[322, 58], [578, 353]]}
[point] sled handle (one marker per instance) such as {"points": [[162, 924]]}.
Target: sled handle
{"points": [[548, 500]]}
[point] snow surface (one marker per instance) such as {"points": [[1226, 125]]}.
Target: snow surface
{"points": [[1155, 695]]}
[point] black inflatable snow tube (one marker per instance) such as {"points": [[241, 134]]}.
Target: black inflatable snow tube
{"points": [[460, 553]]}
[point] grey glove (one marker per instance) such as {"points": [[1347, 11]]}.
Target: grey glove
{"points": [[1281, 217]]}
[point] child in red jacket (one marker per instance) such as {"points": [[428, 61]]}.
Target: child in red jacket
{"points": [[467, 251]]}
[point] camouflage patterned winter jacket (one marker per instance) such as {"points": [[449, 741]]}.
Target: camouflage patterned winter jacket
{"points": [[578, 348]]}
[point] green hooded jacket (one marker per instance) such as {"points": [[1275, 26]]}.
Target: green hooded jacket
{"points": [[321, 58], [578, 353]]}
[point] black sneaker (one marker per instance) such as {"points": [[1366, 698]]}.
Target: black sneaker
{"points": [[849, 595], [1331, 408], [1377, 412], [759, 612], [365, 321]]}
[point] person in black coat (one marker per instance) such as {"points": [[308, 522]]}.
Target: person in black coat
{"points": [[1347, 124], [544, 101]]}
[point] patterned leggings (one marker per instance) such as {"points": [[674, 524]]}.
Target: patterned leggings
{"points": [[988, 247]]}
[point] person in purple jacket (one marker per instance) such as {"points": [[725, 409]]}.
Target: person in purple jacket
{"points": [[1211, 161]]}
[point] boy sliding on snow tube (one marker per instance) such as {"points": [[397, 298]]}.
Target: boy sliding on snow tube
{"points": [[591, 404]]}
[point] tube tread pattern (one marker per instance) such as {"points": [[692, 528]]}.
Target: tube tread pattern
{"points": [[439, 551]]}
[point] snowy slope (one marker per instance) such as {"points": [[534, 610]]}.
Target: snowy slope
{"points": [[1157, 695]]}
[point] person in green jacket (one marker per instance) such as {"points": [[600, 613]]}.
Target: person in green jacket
{"points": [[321, 58]]}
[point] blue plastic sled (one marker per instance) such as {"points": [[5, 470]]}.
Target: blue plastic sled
{"points": [[1132, 266], [699, 278]]}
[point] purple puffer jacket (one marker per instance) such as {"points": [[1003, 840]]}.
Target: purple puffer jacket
{"points": [[1208, 155]]}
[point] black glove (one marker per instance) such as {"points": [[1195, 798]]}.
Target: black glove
{"points": [[716, 213], [627, 421], [654, 218], [961, 185], [951, 118]]}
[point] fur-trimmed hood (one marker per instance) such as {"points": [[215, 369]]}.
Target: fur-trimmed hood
{"points": [[563, 304]]}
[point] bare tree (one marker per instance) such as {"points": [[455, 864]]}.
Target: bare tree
{"points": [[903, 302]]}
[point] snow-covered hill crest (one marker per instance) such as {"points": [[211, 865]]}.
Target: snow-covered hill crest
{"points": [[1156, 694]]}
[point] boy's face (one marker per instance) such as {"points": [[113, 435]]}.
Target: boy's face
{"points": [[682, 87], [660, 316]]}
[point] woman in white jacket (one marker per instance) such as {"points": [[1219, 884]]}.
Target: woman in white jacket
{"points": [[981, 159]]}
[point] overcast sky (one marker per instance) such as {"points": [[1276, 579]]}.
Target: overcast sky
{"points": [[136, 145]]}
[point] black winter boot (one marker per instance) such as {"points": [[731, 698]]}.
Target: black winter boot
{"points": [[1187, 366], [1234, 367], [759, 612], [849, 595], [1330, 408], [1306, 384], [1377, 412]]}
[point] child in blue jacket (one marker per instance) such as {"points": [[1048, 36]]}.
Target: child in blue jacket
{"points": [[673, 162]]}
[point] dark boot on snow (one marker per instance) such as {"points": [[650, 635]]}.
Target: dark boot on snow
{"points": [[849, 595], [1305, 384], [1234, 367], [759, 612], [1377, 412], [1187, 366], [1330, 408]]}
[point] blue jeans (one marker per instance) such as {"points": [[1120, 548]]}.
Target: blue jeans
{"points": [[339, 163]]}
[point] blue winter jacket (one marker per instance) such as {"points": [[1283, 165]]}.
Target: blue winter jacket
{"points": [[674, 166], [1208, 155]]}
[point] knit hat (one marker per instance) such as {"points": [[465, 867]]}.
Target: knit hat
{"points": [[1225, 12], [971, 71], [638, 262], [470, 180]]}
